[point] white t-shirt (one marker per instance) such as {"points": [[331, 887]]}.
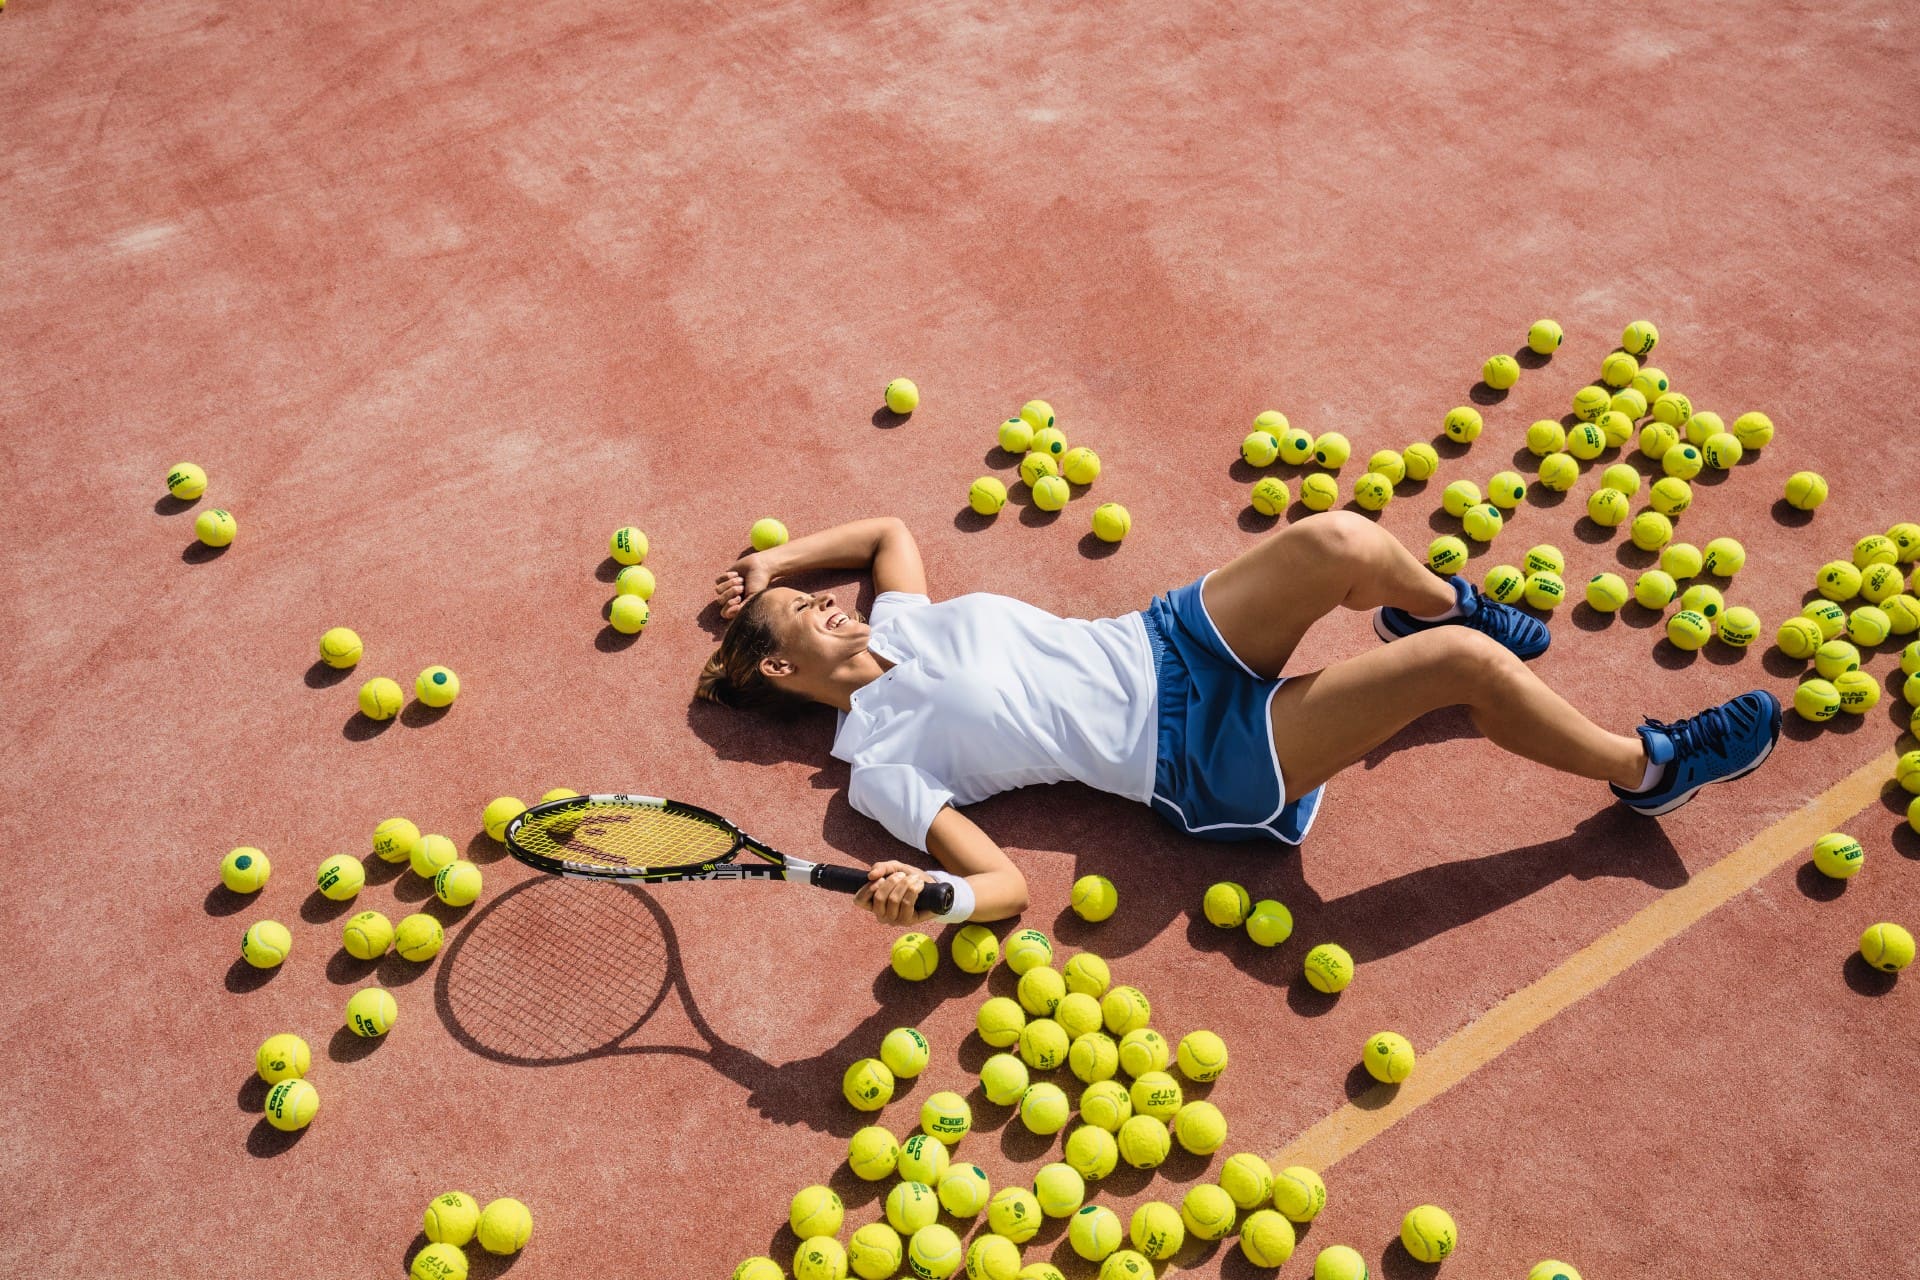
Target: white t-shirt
{"points": [[988, 693]]}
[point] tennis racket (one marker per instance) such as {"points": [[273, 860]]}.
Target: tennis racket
{"points": [[647, 840]]}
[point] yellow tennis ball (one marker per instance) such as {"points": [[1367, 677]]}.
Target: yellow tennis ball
{"points": [[1078, 1014], [820, 1258], [1723, 557], [1689, 629], [1816, 700], [1543, 339], [186, 481], [1619, 370], [371, 1011], [245, 870], [1271, 421], [1670, 496], [1838, 580], [1156, 1094], [912, 1205], [914, 956], [1650, 531], [634, 580], [1552, 1270], [628, 614], [1887, 947], [458, 883], [1607, 592], [1000, 1021], [1753, 430], [1125, 1009], [1319, 492], [1722, 451], [1859, 692], [1038, 414], [766, 534], [872, 1153], [1268, 1240], [1910, 659], [1682, 461], [1094, 898], [1208, 1211], [1905, 537], [1015, 436], [946, 1116], [1880, 582], [1199, 1127], [1111, 522], [1545, 590], [1906, 770], [1910, 691], [906, 1052], [1446, 554], [1806, 490], [1704, 426], [1545, 437], [1484, 522], [1703, 600], [1650, 382], [1838, 856], [1622, 477], [380, 698], [215, 528], [1296, 446], [1269, 923], [1014, 1213], [1093, 1056], [1037, 466], [1463, 424], [1739, 626], [265, 944], [923, 1159], [1639, 339], [1588, 403], [867, 1084], [1373, 491], [1460, 497], [1143, 1141], [1299, 1193], [1868, 626], [902, 396], [1202, 1056], [1628, 402], [1226, 904], [1339, 1262], [1051, 441], [874, 1252], [1143, 1050], [1050, 493], [975, 949], [1672, 408], [394, 839], [1247, 1180], [438, 687], [1388, 464], [1828, 616], [367, 935], [1260, 448], [1044, 1108], [1388, 1057], [963, 1190], [1044, 1044], [292, 1104], [1026, 949], [1655, 589], [1500, 372], [1087, 974], [1125, 1264], [1094, 1232], [438, 1261], [1545, 558], [430, 853], [282, 1057], [1504, 583], [1269, 496], [1428, 1233], [1331, 450], [1329, 968], [340, 648], [1798, 637], [1156, 1230], [1682, 559], [1607, 508], [1060, 1189], [992, 1257], [1092, 1152], [1421, 460], [1507, 490], [451, 1218], [417, 937], [1106, 1103], [628, 545], [1559, 472]]}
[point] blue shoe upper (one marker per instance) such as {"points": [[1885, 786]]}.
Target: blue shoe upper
{"points": [[1720, 743], [1521, 634]]}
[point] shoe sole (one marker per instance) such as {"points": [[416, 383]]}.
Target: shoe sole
{"points": [[1685, 796], [1381, 629]]}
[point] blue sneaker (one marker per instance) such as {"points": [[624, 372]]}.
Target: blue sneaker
{"points": [[1524, 636], [1718, 745]]}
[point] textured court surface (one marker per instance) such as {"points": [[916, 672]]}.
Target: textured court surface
{"points": [[439, 297]]}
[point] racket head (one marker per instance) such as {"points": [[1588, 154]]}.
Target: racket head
{"points": [[555, 971], [622, 837]]}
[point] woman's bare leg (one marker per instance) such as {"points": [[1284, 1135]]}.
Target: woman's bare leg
{"points": [[1264, 600], [1328, 719]]}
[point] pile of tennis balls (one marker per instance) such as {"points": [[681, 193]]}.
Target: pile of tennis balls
{"points": [[214, 527], [454, 1219], [633, 585], [380, 698], [1874, 580], [1273, 439], [1049, 469]]}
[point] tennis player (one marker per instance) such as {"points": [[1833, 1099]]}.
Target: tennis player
{"points": [[1180, 706]]}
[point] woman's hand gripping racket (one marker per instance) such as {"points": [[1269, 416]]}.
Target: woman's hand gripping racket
{"points": [[647, 840]]}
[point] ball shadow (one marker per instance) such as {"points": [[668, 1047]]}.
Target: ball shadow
{"points": [[1397, 1264], [265, 1142], [1093, 547], [1588, 618], [1366, 1093], [483, 849], [1309, 1001], [242, 977], [1635, 558], [1482, 394], [1671, 657], [251, 1097], [1864, 980], [1779, 664], [201, 553], [412, 889], [344, 970], [322, 676], [1789, 516], [1251, 521], [1527, 358], [1722, 654], [345, 1046], [418, 715], [317, 908], [1592, 534], [1035, 518], [1538, 495], [168, 505], [1639, 617], [1817, 887], [360, 727], [222, 901], [607, 570], [380, 871], [607, 640], [886, 419], [967, 520]]}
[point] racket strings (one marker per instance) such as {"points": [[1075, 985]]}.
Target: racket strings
{"points": [[559, 970], [625, 836]]}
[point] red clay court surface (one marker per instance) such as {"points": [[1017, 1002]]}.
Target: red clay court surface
{"points": [[440, 295]]}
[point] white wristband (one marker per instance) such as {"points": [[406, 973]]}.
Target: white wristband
{"points": [[962, 897]]}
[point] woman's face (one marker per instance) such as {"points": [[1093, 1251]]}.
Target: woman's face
{"points": [[816, 635]]}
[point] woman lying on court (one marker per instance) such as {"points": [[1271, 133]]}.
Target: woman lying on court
{"points": [[1179, 706]]}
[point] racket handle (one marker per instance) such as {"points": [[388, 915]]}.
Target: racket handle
{"points": [[936, 897]]}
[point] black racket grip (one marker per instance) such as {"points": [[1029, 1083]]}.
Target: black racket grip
{"points": [[937, 897]]}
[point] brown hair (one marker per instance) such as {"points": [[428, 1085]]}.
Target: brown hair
{"points": [[732, 676]]}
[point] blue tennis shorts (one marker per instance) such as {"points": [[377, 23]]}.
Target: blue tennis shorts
{"points": [[1217, 776]]}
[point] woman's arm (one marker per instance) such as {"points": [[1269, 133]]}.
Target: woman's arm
{"points": [[882, 543], [999, 890]]}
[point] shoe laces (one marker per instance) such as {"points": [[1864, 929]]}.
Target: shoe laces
{"points": [[1707, 731], [1493, 619]]}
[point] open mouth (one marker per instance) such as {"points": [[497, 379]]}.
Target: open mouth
{"points": [[838, 620]]}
